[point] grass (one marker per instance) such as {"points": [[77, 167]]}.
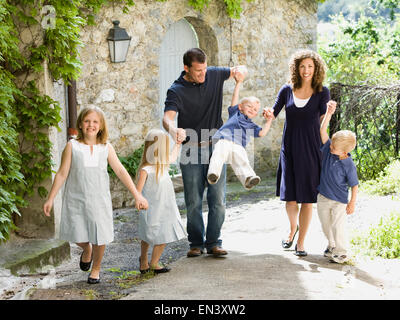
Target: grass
{"points": [[123, 219], [115, 295], [90, 294], [128, 279]]}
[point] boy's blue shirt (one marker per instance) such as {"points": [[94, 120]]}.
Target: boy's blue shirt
{"points": [[238, 128], [336, 175]]}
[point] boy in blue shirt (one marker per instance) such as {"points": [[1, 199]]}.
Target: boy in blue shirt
{"points": [[233, 137], [338, 173]]}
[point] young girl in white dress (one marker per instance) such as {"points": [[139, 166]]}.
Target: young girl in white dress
{"points": [[87, 216], [161, 223]]}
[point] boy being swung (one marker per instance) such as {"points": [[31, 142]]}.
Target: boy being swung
{"points": [[337, 175], [231, 139]]}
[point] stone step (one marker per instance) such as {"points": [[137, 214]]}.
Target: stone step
{"points": [[30, 256], [178, 183]]}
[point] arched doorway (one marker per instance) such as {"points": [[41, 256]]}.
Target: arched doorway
{"points": [[180, 37], [184, 34]]}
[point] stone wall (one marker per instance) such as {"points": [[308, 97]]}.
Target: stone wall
{"points": [[263, 39], [32, 223]]}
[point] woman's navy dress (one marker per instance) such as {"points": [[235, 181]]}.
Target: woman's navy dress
{"points": [[300, 158]]}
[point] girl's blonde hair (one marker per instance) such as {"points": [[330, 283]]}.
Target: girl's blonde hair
{"points": [[344, 140], [319, 71], [156, 151], [102, 135]]}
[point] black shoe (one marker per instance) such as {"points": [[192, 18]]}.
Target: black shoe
{"points": [[85, 266], [164, 269], [93, 280], [300, 253], [143, 271], [286, 244]]}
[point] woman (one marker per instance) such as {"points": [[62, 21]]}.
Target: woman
{"points": [[305, 99]]}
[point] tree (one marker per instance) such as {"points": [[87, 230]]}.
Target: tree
{"points": [[362, 52]]}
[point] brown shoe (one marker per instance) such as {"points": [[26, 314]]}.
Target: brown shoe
{"points": [[217, 251], [194, 252]]}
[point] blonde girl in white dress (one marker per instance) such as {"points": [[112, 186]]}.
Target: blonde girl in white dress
{"points": [[161, 223], [86, 216]]}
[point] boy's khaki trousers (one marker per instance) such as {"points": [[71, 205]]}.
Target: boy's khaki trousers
{"points": [[226, 151], [333, 217]]}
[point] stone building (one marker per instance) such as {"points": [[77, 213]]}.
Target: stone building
{"points": [[132, 93]]}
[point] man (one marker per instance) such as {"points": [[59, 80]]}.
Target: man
{"points": [[196, 96]]}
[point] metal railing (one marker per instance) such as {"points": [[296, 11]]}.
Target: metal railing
{"points": [[373, 114]]}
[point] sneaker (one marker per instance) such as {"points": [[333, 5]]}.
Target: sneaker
{"points": [[212, 178], [328, 252], [252, 181], [340, 259]]}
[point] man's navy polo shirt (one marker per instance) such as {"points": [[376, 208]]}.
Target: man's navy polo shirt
{"points": [[239, 128], [199, 105], [336, 175]]}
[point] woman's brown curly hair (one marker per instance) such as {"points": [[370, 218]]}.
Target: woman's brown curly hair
{"points": [[319, 71]]}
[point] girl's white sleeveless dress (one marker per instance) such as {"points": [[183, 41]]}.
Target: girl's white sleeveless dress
{"points": [[161, 222], [87, 214]]}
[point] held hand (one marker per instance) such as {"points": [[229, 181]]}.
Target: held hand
{"points": [[180, 135], [331, 107], [264, 113], [268, 113], [141, 203], [350, 208], [240, 73], [47, 207], [239, 77]]}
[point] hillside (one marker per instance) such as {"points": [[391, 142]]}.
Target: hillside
{"points": [[349, 9]]}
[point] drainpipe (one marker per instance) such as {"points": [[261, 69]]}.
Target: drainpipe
{"points": [[72, 113]]}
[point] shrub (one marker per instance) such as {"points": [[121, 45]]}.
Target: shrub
{"points": [[131, 162], [383, 239], [388, 181]]}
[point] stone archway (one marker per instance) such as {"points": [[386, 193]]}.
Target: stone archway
{"points": [[207, 39], [184, 34], [179, 38]]}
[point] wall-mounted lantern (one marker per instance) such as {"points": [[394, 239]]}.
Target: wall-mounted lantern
{"points": [[118, 43]]}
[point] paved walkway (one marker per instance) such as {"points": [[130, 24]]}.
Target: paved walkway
{"points": [[258, 268]]}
